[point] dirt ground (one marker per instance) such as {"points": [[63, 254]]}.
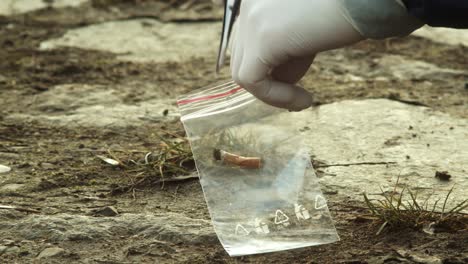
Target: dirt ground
{"points": [[56, 170]]}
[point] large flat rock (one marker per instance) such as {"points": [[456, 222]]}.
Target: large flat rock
{"points": [[400, 68], [13, 7], [171, 227], [444, 35], [98, 106], [144, 39], [385, 67], [417, 140]]}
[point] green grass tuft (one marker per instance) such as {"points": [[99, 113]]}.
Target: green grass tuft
{"points": [[395, 212]]}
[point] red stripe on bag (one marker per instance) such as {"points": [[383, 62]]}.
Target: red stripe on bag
{"points": [[209, 97]]}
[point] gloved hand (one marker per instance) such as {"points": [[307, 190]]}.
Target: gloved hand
{"points": [[275, 41]]}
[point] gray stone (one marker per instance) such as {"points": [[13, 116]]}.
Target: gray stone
{"points": [[11, 187], [13, 7], [170, 227], [13, 250], [46, 165], [106, 211], [351, 132], [8, 242], [444, 35], [51, 252], [3, 249], [144, 39]]}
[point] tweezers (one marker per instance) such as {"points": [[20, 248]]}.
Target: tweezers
{"points": [[231, 9]]}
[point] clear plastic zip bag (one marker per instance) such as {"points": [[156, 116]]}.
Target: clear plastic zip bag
{"points": [[257, 178]]}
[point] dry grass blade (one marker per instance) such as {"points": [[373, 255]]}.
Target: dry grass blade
{"points": [[446, 199], [392, 212], [173, 158]]}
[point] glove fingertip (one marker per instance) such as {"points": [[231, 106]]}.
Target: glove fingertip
{"points": [[302, 101]]}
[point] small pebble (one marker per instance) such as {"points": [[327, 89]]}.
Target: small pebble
{"points": [[8, 242], [106, 211], [47, 165], [443, 175], [317, 217], [3, 249], [51, 252], [13, 250]]}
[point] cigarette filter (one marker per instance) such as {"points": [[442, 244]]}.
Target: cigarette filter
{"points": [[237, 160]]}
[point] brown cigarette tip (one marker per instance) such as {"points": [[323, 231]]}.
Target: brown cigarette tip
{"points": [[217, 154]]}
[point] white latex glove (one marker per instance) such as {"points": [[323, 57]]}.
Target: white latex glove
{"points": [[276, 41]]}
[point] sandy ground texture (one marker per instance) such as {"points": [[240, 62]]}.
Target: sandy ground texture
{"points": [[80, 80]]}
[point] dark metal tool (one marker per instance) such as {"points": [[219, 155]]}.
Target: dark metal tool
{"points": [[231, 9]]}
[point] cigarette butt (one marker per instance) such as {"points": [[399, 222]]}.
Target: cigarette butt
{"points": [[237, 160]]}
